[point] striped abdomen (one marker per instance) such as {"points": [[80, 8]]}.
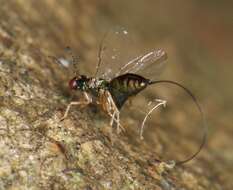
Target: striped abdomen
{"points": [[124, 86]]}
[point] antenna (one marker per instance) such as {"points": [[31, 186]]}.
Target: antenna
{"points": [[74, 59], [100, 52]]}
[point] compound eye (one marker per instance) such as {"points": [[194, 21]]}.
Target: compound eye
{"points": [[73, 83]]}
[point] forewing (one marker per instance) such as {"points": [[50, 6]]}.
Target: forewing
{"points": [[148, 64], [120, 48]]}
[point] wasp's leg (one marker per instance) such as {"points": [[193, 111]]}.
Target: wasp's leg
{"points": [[115, 112], [118, 123], [112, 115], [115, 118], [112, 110], [112, 118], [109, 109], [84, 102]]}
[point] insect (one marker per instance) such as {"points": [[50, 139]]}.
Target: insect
{"points": [[112, 94]]}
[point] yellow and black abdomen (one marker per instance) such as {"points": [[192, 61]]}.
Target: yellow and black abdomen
{"points": [[124, 86]]}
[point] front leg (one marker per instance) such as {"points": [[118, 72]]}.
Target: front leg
{"points": [[85, 102]]}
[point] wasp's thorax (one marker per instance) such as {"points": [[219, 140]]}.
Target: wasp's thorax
{"points": [[85, 83], [79, 83]]}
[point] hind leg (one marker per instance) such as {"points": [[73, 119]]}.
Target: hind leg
{"points": [[115, 116], [119, 127]]}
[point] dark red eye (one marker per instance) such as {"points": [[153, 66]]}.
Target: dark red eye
{"points": [[73, 83]]}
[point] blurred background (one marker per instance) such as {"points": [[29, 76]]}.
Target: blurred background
{"points": [[197, 36]]}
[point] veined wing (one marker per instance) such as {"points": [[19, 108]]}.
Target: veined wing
{"points": [[151, 61], [115, 58]]}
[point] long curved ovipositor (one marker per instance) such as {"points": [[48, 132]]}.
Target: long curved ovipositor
{"points": [[199, 109]]}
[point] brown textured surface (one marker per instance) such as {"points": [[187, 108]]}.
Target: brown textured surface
{"points": [[39, 152]]}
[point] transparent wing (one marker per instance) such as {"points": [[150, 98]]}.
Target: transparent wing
{"points": [[144, 62], [114, 53], [122, 55]]}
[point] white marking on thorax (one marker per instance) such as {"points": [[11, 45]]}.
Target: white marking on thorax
{"points": [[94, 83]]}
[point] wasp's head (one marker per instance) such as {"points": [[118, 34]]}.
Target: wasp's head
{"points": [[78, 83]]}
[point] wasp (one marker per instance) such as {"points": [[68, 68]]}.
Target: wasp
{"points": [[111, 94]]}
